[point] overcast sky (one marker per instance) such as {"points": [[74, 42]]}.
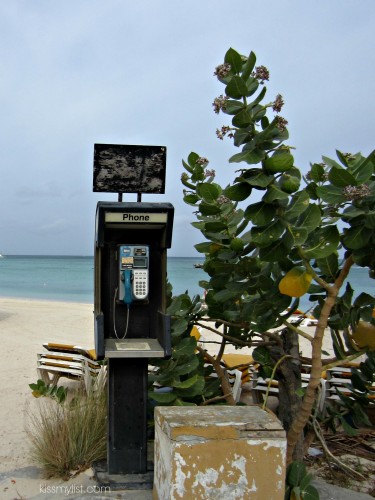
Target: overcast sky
{"points": [[78, 72]]}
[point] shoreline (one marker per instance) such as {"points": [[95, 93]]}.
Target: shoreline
{"points": [[36, 299]]}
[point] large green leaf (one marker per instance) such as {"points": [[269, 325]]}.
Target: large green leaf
{"points": [[180, 303], [233, 58], [235, 218], [259, 97], [191, 199], [209, 192], [191, 387], [264, 236], [241, 137], [296, 471], [186, 384], [236, 88], [329, 265], [187, 367], [198, 174], [192, 159], [340, 177], [237, 286], [322, 243], [225, 295], [310, 493], [238, 192], [256, 177], [298, 205], [295, 236], [166, 398], [351, 212], [203, 247], [274, 193], [185, 347], [317, 172], [179, 326], [363, 169], [274, 253], [243, 118], [219, 280], [311, 218], [250, 157], [208, 209], [370, 220], [249, 66], [216, 226], [331, 163], [187, 167], [252, 86], [331, 194], [356, 237], [232, 107], [260, 213]]}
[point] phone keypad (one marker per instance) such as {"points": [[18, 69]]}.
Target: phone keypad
{"points": [[140, 284]]}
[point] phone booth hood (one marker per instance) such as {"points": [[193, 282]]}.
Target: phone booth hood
{"points": [[145, 228]]}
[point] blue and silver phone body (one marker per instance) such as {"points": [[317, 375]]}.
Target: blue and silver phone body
{"points": [[133, 273]]}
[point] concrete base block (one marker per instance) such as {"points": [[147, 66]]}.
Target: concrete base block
{"points": [[218, 452]]}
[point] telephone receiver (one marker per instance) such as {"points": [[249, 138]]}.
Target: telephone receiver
{"points": [[133, 271]]}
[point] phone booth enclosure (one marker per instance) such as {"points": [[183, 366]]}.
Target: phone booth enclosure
{"points": [[130, 324], [134, 226]]}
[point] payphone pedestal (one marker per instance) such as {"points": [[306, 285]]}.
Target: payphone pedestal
{"points": [[127, 465], [131, 326]]}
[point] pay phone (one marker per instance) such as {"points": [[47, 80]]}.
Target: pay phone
{"points": [[133, 282], [133, 273]]}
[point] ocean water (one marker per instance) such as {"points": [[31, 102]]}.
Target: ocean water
{"points": [[71, 279]]}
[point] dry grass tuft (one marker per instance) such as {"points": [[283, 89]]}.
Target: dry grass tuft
{"points": [[68, 438]]}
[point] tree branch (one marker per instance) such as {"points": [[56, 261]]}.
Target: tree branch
{"points": [[225, 385], [302, 418]]}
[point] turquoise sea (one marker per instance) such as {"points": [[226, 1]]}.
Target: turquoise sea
{"points": [[71, 279]]}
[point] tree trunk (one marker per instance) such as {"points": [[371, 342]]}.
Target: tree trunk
{"points": [[289, 378]]}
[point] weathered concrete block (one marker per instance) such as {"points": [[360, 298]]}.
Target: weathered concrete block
{"points": [[218, 452]]}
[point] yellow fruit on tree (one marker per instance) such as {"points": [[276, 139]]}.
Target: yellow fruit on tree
{"points": [[296, 282], [364, 335], [213, 248]]}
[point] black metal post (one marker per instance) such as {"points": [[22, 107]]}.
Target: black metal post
{"points": [[127, 418]]}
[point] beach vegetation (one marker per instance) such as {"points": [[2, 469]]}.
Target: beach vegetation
{"points": [[298, 483], [41, 389], [271, 236], [67, 437]]}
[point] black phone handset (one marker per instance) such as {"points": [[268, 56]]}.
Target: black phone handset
{"points": [[133, 277]]}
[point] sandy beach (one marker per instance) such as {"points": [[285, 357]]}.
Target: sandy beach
{"points": [[25, 325]]}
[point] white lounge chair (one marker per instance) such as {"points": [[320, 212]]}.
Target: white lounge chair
{"points": [[73, 362]]}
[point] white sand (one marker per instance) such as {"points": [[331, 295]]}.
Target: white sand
{"points": [[304, 344], [25, 325]]}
